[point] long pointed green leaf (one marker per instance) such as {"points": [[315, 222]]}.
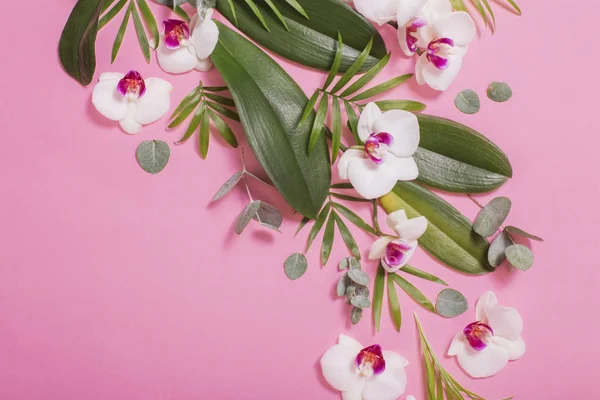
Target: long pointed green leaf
{"points": [[336, 129], [226, 101], [309, 107], [302, 224], [106, 5], [317, 128], [368, 77], [258, 14], [194, 124], [354, 68], [141, 34], [204, 136], [278, 13], [515, 6], [490, 11], [352, 122], [422, 274], [350, 198], [297, 7], [481, 10], [224, 111], [316, 228], [413, 292], [337, 61], [113, 12], [150, 20], [181, 13], [394, 304], [378, 289], [185, 112], [382, 87], [120, 34], [355, 219], [216, 88], [328, 237], [186, 100], [406, 105], [223, 129], [347, 236]]}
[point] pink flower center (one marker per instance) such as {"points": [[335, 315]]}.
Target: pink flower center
{"points": [[176, 31], [370, 360], [132, 84], [376, 146], [396, 253], [478, 335], [438, 51], [411, 33]]}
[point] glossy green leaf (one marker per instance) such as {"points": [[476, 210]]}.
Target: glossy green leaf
{"points": [[350, 198], [312, 39], [422, 274], [406, 105], [295, 266], [451, 303], [382, 87], [195, 93], [519, 256], [224, 111], [449, 236], [328, 237], [355, 219], [120, 34], [309, 108], [270, 105], [77, 46], [318, 124], [111, 14], [412, 291], [336, 129], [354, 69], [491, 217], [337, 61], [497, 251], [153, 155], [467, 102], [456, 158], [378, 290], [216, 88], [301, 225], [347, 237], [107, 4], [223, 129], [394, 304], [319, 222], [141, 34], [150, 20], [258, 13], [520, 232], [277, 13], [204, 137], [367, 77]]}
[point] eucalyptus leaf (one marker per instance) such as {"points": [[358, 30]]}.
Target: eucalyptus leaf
{"points": [[269, 216], [344, 263], [361, 302], [520, 232], [246, 216], [153, 155], [227, 186], [519, 256], [378, 290], [491, 217], [467, 102], [497, 252], [499, 92], [342, 285], [451, 303], [362, 291], [353, 263], [295, 266], [356, 315], [359, 277], [350, 292]]}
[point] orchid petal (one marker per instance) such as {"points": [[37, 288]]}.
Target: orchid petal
{"points": [[128, 122], [406, 168], [366, 123], [204, 38], [155, 103], [412, 229], [378, 11], [407, 256], [402, 32], [390, 384], [408, 9], [482, 363], [404, 128], [377, 250], [350, 342], [435, 9], [458, 344], [505, 321], [459, 26], [396, 218], [487, 299], [177, 61], [436, 78], [514, 348], [371, 180], [108, 76], [107, 100], [339, 368], [345, 160], [353, 395], [422, 62]]}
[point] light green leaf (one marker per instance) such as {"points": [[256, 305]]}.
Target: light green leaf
{"points": [[355, 315], [141, 34], [336, 129], [368, 77], [342, 285], [227, 186], [467, 102], [344, 263], [295, 266], [189, 98], [328, 237], [204, 137], [268, 216], [301, 225], [353, 218], [337, 61], [378, 290], [185, 112], [354, 68], [353, 263], [347, 237], [120, 34], [406, 105], [394, 304], [277, 13], [422, 274], [112, 13], [246, 216], [519, 256], [382, 87], [497, 251], [150, 20], [308, 110], [297, 7], [360, 302], [491, 217], [412, 291], [359, 277], [317, 128], [153, 155], [499, 92], [194, 124], [449, 236], [451, 303], [319, 222], [520, 232], [515, 6], [223, 129]]}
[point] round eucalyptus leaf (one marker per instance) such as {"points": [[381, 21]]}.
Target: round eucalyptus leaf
{"points": [[359, 277], [295, 266], [360, 302], [496, 252], [153, 155], [491, 217], [520, 232], [467, 102], [350, 292], [451, 303], [363, 291], [519, 256], [499, 92], [344, 263], [355, 315], [353, 263], [342, 285], [268, 216]]}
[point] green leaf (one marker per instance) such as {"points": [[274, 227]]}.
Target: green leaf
{"points": [[258, 14], [121, 34], [355, 315], [277, 13], [153, 155], [141, 34], [406, 105], [456, 158], [216, 88], [223, 129], [246, 216], [368, 77], [449, 236], [467, 102], [224, 111], [354, 68], [336, 129], [107, 4], [185, 112], [186, 100], [515, 6], [268, 216], [451, 303], [491, 217], [297, 7], [353, 218], [270, 104], [359, 277], [422, 274], [312, 38], [77, 46], [308, 110], [204, 136], [352, 122], [497, 251], [394, 305], [382, 87], [360, 302], [227, 186], [347, 237], [350, 198], [378, 290], [226, 101], [337, 61], [519, 256], [194, 124], [112, 13], [499, 92], [412, 291], [344, 264], [318, 124], [150, 20], [302, 224], [353, 263], [328, 237], [520, 232], [295, 266], [181, 13], [319, 222], [342, 285]]}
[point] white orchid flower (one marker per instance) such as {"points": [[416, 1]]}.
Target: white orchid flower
{"points": [[181, 51], [441, 61], [395, 252], [378, 11], [416, 20], [364, 373], [131, 100], [390, 138], [484, 347]]}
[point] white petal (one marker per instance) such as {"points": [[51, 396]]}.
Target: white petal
{"points": [[344, 162], [396, 218], [408, 9], [484, 363], [404, 127], [356, 394], [107, 100], [422, 62], [458, 344], [377, 250], [391, 383], [407, 256], [402, 41], [441, 79], [339, 368], [108, 76], [458, 26], [412, 229], [371, 180], [155, 103], [366, 123], [176, 61], [514, 348], [204, 65], [350, 342], [406, 168], [435, 9], [505, 321], [378, 11], [204, 38], [128, 123], [487, 299]]}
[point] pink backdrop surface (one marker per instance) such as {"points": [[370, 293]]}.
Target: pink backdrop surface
{"points": [[116, 284]]}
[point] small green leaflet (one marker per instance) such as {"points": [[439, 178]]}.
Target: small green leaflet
{"points": [[519, 256], [520, 232], [246, 216], [467, 102], [491, 217], [359, 277], [497, 251], [268, 216], [295, 266], [499, 92], [451, 303], [153, 155], [356, 315], [227, 186]]}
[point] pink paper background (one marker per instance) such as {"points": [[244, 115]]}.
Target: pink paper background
{"points": [[116, 284]]}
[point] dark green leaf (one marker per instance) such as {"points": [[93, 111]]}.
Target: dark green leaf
{"points": [[394, 305], [496, 253], [153, 155], [382, 87], [246, 216], [355, 315], [216, 88], [185, 112], [368, 77], [141, 34], [319, 222], [120, 34], [186, 100], [347, 237], [491, 217], [406, 105], [227, 186], [224, 111], [194, 124], [449, 236], [337, 61], [520, 232], [308, 110], [499, 92], [359, 277], [223, 128], [328, 236], [295, 266], [422, 274], [350, 198], [257, 12], [412, 291], [378, 290], [456, 158], [277, 13], [77, 46], [113, 12], [204, 136], [355, 219], [150, 20], [181, 12], [336, 129], [519, 256], [467, 102], [226, 101], [451, 303], [317, 128], [270, 104], [352, 122], [354, 68], [107, 5], [302, 224]]}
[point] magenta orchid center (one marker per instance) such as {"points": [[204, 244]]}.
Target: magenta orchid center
{"points": [[478, 335], [376, 146], [132, 85], [438, 52], [396, 253], [176, 33], [370, 361], [411, 33]]}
